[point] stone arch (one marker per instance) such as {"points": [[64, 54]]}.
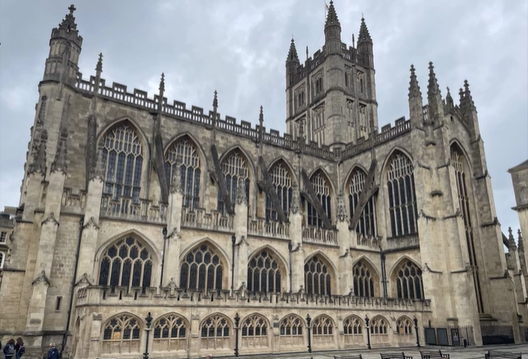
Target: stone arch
{"points": [[388, 159], [353, 325], [379, 325], [171, 332], [457, 145], [353, 188], [232, 184], [404, 325], [253, 276], [323, 331], [319, 274], [215, 332], [292, 329], [283, 180], [248, 157], [121, 333], [327, 200], [328, 178], [353, 168], [282, 159], [406, 279], [124, 119], [203, 267], [255, 331], [130, 232]]}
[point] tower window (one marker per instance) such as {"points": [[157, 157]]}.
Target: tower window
{"points": [[58, 303]]}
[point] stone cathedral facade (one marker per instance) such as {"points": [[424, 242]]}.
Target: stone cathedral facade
{"points": [[144, 222]]}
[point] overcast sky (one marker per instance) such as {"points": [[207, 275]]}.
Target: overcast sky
{"points": [[239, 48]]}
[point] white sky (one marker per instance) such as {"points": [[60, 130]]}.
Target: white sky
{"points": [[239, 48]]}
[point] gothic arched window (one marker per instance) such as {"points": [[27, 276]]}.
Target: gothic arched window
{"points": [[121, 334], [201, 269], [461, 174], [321, 188], [255, 332], [317, 278], [184, 155], [170, 333], [322, 326], [264, 274], [127, 263], [214, 332], [363, 280], [291, 325], [367, 221], [353, 325], [379, 326], [404, 325], [234, 167], [409, 281], [122, 156], [402, 197], [282, 181]]}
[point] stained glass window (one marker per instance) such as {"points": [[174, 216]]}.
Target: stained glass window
{"points": [[234, 166], [264, 274], [409, 281], [317, 277], [201, 269], [127, 263], [321, 188], [363, 280], [402, 197], [282, 181], [367, 221], [184, 155], [122, 160]]}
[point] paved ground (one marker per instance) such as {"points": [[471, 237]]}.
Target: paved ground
{"points": [[455, 352]]}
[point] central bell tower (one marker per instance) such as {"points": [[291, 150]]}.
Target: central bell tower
{"points": [[331, 98]]}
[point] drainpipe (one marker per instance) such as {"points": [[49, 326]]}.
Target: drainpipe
{"points": [[70, 307]]}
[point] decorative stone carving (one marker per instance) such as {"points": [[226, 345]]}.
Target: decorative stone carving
{"points": [[176, 185], [172, 284], [51, 219], [41, 279], [341, 211], [59, 163], [91, 224], [241, 191], [296, 200], [84, 281], [38, 164]]}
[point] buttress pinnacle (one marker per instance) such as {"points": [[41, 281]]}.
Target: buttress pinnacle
{"points": [[68, 23], [292, 53], [414, 88], [468, 98], [432, 88], [331, 17], [364, 35]]}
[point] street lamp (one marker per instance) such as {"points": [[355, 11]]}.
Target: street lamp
{"points": [[308, 321], [368, 331], [237, 322], [415, 320], [148, 320]]}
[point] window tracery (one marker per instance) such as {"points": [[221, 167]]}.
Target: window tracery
{"points": [[201, 269], [127, 263], [264, 274], [170, 333], [291, 325], [409, 281], [183, 156], [255, 327], [367, 221], [322, 326], [282, 181], [321, 188], [402, 197], [379, 326], [122, 157], [353, 326], [404, 326], [363, 280], [214, 332], [317, 277], [234, 167], [121, 334]]}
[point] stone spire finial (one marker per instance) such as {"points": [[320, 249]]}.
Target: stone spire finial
{"points": [[520, 243], [511, 241], [68, 23], [331, 16], [162, 84], [39, 154], [99, 66], [468, 98], [449, 100], [292, 53], [241, 191], [59, 163], [432, 88], [296, 200], [364, 35], [261, 117], [414, 88], [215, 101], [461, 94]]}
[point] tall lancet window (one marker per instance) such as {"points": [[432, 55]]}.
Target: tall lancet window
{"points": [[201, 270], [402, 196], [234, 166], [459, 164], [317, 277], [282, 182], [409, 281], [122, 160], [364, 278], [321, 188], [264, 273], [184, 155], [367, 221]]}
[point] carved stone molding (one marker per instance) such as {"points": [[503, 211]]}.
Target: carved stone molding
{"points": [[84, 281], [91, 224], [51, 219], [41, 279]]}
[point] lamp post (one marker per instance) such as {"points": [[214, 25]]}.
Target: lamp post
{"points": [[415, 320], [368, 331], [148, 320], [308, 322], [237, 322]]}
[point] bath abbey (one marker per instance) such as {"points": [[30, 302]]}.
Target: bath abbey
{"points": [[146, 225]]}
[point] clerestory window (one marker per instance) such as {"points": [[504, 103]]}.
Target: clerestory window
{"points": [[234, 167], [321, 188], [201, 269], [367, 221], [282, 182], [182, 157], [402, 196]]}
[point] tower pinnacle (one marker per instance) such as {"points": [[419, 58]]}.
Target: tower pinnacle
{"points": [[331, 17], [68, 23], [414, 88], [432, 88], [364, 35], [292, 52]]}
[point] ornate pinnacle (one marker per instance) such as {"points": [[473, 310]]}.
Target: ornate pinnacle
{"points": [[215, 101], [241, 191], [292, 52], [467, 95], [261, 116], [162, 83], [68, 23], [331, 17], [511, 241], [39, 155], [364, 35], [99, 66], [432, 88], [520, 241], [414, 88]]}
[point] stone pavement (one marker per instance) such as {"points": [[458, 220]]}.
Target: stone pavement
{"points": [[455, 352]]}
